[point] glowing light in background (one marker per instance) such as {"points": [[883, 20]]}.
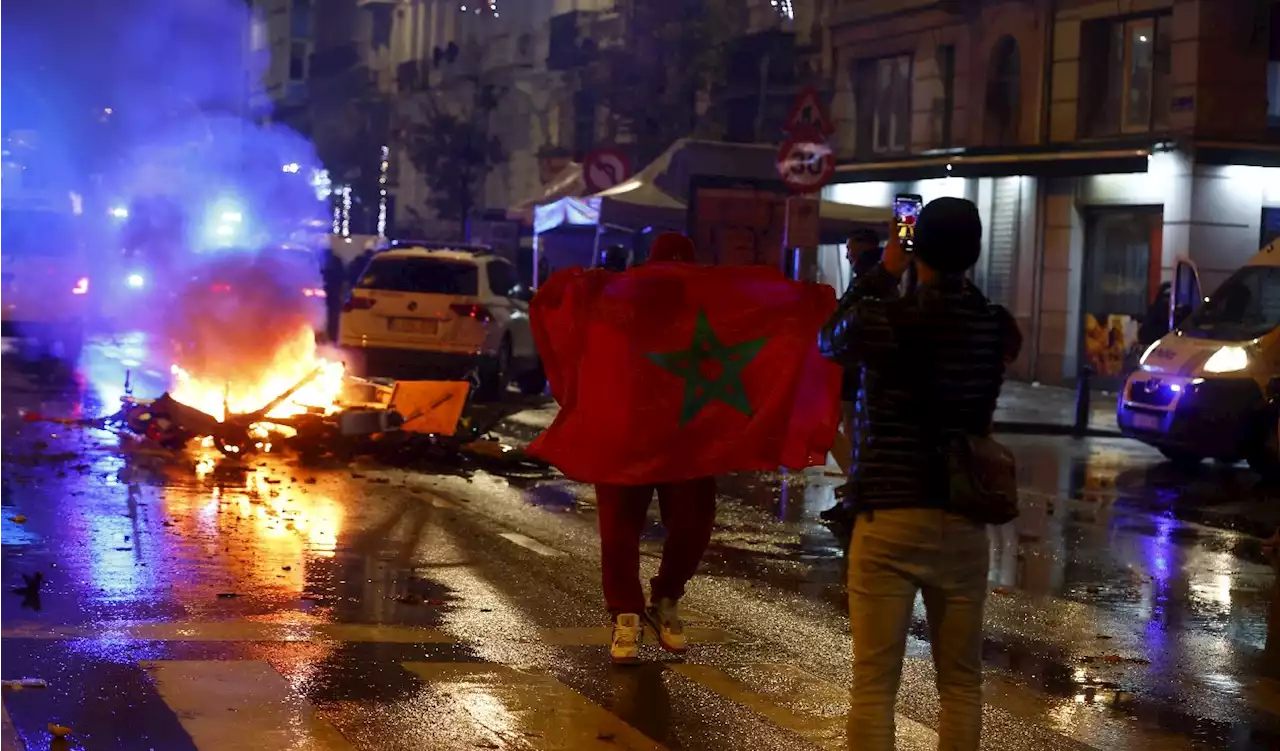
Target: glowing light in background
{"points": [[383, 168], [322, 184], [82, 286], [291, 168], [346, 211], [784, 8], [120, 212], [136, 281]]}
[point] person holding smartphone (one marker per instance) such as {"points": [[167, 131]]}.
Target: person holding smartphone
{"points": [[932, 364]]}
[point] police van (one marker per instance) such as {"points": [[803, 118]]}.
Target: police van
{"points": [[1203, 390]]}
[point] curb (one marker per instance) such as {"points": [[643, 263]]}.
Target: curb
{"points": [[1052, 428]]}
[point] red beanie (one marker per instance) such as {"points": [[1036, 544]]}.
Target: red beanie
{"points": [[672, 246]]}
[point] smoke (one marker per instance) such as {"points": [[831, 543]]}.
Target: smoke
{"points": [[238, 315], [156, 113]]}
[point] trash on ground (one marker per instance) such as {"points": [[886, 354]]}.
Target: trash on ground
{"points": [[395, 422]]}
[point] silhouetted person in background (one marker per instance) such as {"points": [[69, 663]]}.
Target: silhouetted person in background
{"points": [[334, 276], [615, 258]]}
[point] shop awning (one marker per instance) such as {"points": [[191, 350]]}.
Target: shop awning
{"points": [[567, 182], [1037, 162]]}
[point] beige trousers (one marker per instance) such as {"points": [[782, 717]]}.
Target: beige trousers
{"points": [[893, 555]]}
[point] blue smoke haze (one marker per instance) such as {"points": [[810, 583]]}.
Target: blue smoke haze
{"points": [[153, 95]]}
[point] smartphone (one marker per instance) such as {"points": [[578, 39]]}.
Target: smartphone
{"points": [[906, 208]]}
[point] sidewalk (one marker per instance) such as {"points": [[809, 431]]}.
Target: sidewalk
{"points": [[1023, 408], [1029, 408]]}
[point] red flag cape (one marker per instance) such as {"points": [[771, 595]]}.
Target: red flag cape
{"points": [[671, 371]]}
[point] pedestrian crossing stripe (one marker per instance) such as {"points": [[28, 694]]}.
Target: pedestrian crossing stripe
{"points": [[240, 704], [791, 684], [533, 708], [232, 704]]}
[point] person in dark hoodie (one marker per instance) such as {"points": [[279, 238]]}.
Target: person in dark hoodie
{"points": [[932, 366], [864, 252], [688, 511]]}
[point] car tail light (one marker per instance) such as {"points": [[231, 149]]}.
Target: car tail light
{"points": [[477, 312], [313, 292], [358, 303], [82, 286], [220, 288]]}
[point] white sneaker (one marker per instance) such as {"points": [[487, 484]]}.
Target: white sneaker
{"points": [[664, 616], [627, 632]]}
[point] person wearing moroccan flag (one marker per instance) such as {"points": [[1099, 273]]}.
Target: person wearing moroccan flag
{"points": [[667, 375]]}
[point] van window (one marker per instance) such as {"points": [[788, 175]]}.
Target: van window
{"points": [[1246, 306], [425, 275]]}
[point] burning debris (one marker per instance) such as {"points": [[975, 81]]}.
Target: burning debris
{"points": [[315, 414]]}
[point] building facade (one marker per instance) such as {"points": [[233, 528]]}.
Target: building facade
{"points": [[1103, 140]]}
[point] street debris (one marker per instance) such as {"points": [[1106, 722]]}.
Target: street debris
{"points": [[58, 731], [21, 683], [30, 588], [399, 423]]}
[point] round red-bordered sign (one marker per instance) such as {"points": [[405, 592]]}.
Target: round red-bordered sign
{"points": [[604, 168], [806, 163]]}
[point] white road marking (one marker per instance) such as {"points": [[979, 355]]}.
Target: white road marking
{"points": [[241, 704], [792, 690], [529, 710], [529, 543], [235, 631]]}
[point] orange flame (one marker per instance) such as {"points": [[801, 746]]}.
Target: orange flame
{"points": [[292, 361]]}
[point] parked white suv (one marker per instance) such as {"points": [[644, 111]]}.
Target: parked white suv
{"points": [[441, 312]]}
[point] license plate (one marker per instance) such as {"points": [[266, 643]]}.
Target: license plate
{"points": [[413, 325], [1147, 422]]}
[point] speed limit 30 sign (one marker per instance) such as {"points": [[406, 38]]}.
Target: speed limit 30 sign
{"points": [[806, 162]]}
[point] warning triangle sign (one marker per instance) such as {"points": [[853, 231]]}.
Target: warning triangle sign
{"points": [[809, 114]]}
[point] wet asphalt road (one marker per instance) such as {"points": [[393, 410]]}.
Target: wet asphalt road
{"points": [[197, 606]]}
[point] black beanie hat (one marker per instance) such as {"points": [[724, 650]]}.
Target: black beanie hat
{"points": [[949, 235]]}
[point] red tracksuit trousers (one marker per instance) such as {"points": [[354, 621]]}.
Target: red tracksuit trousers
{"points": [[688, 512]]}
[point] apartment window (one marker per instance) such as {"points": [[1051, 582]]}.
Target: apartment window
{"points": [[297, 61], [300, 19], [1125, 75], [882, 96]]}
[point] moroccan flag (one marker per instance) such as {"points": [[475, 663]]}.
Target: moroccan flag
{"points": [[671, 371]]}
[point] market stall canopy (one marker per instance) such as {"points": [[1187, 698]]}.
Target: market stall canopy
{"points": [[657, 195], [566, 182]]}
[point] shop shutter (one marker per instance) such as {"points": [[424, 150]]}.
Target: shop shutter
{"points": [[1002, 240]]}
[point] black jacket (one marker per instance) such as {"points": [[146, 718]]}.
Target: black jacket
{"points": [[932, 364]]}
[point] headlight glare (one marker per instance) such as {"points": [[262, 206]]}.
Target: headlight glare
{"points": [[1228, 359]]}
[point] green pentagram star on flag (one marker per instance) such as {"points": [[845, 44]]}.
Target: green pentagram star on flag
{"points": [[710, 370]]}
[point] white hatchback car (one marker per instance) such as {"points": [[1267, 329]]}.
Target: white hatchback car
{"points": [[442, 312]]}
